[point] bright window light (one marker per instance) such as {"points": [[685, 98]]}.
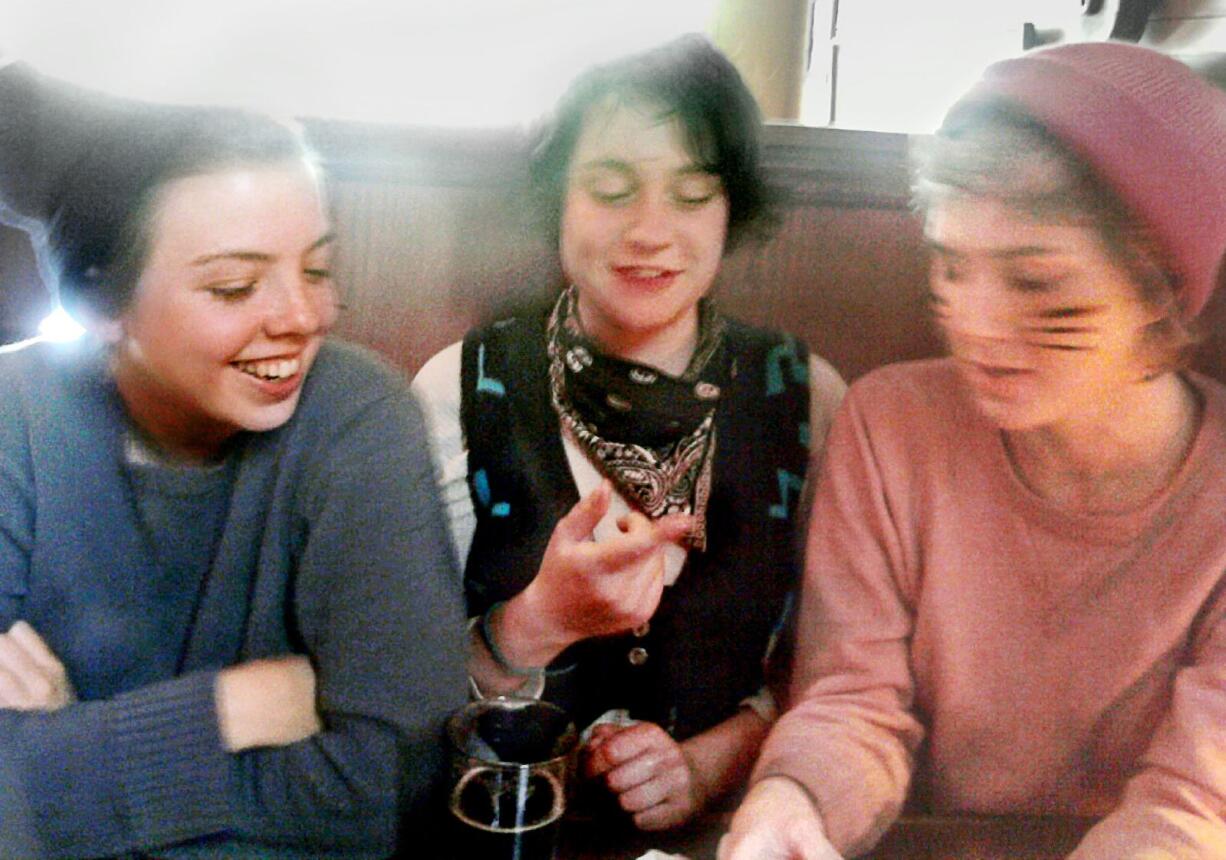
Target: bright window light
{"points": [[58, 326], [417, 62]]}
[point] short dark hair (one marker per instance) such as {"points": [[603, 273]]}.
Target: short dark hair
{"points": [[692, 81], [99, 220]]}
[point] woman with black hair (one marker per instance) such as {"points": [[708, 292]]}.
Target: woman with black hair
{"points": [[231, 624], [623, 471]]}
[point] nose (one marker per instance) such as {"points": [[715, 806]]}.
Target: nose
{"points": [[978, 309], [297, 307], [650, 225]]}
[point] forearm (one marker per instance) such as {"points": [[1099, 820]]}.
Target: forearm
{"points": [[721, 757], [525, 647], [106, 777]]}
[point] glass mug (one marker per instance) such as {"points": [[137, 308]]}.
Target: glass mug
{"points": [[511, 765]]}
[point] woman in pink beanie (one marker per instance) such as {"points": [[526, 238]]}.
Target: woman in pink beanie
{"points": [[1015, 598]]}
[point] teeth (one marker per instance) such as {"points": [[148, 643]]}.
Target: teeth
{"points": [[282, 369], [646, 273]]}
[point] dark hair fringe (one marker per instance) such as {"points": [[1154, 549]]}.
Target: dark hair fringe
{"points": [[99, 222], [689, 78]]}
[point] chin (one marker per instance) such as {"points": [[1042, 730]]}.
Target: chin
{"points": [[269, 417], [1010, 417]]}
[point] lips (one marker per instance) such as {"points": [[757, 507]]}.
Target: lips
{"points": [[646, 277], [997, 381], [994, 371], [270, 370]]}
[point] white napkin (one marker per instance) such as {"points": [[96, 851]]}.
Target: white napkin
{"points": [[653, 854]]}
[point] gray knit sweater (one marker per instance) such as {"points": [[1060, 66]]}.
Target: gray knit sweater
{"points": [[333, 546]]}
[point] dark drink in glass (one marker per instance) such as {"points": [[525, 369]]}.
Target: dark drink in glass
{"points": [[511, 762]]}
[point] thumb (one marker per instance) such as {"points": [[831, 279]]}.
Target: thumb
{"points": [[673, 527], [580, 520]]}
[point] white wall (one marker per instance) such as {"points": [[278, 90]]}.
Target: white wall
{"points": [[465, 62], [902, 62]]}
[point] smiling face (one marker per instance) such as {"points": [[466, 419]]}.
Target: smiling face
{"points": [[230, 308], [1045, 326], [643, 228]]}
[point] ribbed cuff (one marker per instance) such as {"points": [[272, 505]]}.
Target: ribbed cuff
{"points": [[175, 772]]}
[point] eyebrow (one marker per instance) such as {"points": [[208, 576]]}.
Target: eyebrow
{"points": [[1001, 254], [257, 256], [605, 163], [625, 167]]}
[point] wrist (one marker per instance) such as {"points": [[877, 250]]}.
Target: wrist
{"points": [[523, 633], [228, 699], [795, 794], [701, 791]]}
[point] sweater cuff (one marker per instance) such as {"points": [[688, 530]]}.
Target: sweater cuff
{"points": [[175, 772]]}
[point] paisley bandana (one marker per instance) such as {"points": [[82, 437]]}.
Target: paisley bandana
{"points": [[651, 434]]}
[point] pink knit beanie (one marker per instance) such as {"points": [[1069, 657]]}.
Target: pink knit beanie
{"points": [[1152, 130]]}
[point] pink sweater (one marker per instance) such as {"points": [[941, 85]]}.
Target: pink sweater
{"points": [[1010, 656]]}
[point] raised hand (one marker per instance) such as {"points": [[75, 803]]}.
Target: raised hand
{"points": [[776, 821], [32, 678], [586, 588], [650, 773]]}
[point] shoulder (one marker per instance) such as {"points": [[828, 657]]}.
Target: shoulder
{"points": [[347, 384], [747, 336], [929, 387], [353, 372], [438, 381], [45, 372], [913, 411]]}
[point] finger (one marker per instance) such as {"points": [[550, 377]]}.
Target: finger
{"points": [[581, 519], [634, 772], [602, 732], [595, 762], [667, 786], [660, 817], [28, 639], [21, 674], [13, 693], [674, 527], [669, 528], [624, 551], [627, 742]]}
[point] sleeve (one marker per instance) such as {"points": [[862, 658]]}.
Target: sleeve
{"points": [[16, 512], [850, 735], [1174, 808], [437, 388], [381, 611], [826, 392]]}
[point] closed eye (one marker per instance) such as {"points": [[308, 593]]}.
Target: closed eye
{"points": [[232, 292]]}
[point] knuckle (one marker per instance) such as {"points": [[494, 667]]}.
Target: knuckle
{"points": [[41, 689]]}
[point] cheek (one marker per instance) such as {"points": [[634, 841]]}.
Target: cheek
{"points": [[582, 238], [709, 232]]}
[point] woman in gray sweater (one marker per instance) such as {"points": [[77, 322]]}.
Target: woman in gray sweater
{"points": [[233, 627]]}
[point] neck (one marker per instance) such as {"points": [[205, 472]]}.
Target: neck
{"points": [[668, 348], [1117, 459], [165, 429]]}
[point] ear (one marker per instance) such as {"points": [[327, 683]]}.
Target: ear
{"points": [[105, 328], [109, 331]]}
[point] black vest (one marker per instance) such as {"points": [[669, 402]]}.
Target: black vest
{"points": [[703, 652]]}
